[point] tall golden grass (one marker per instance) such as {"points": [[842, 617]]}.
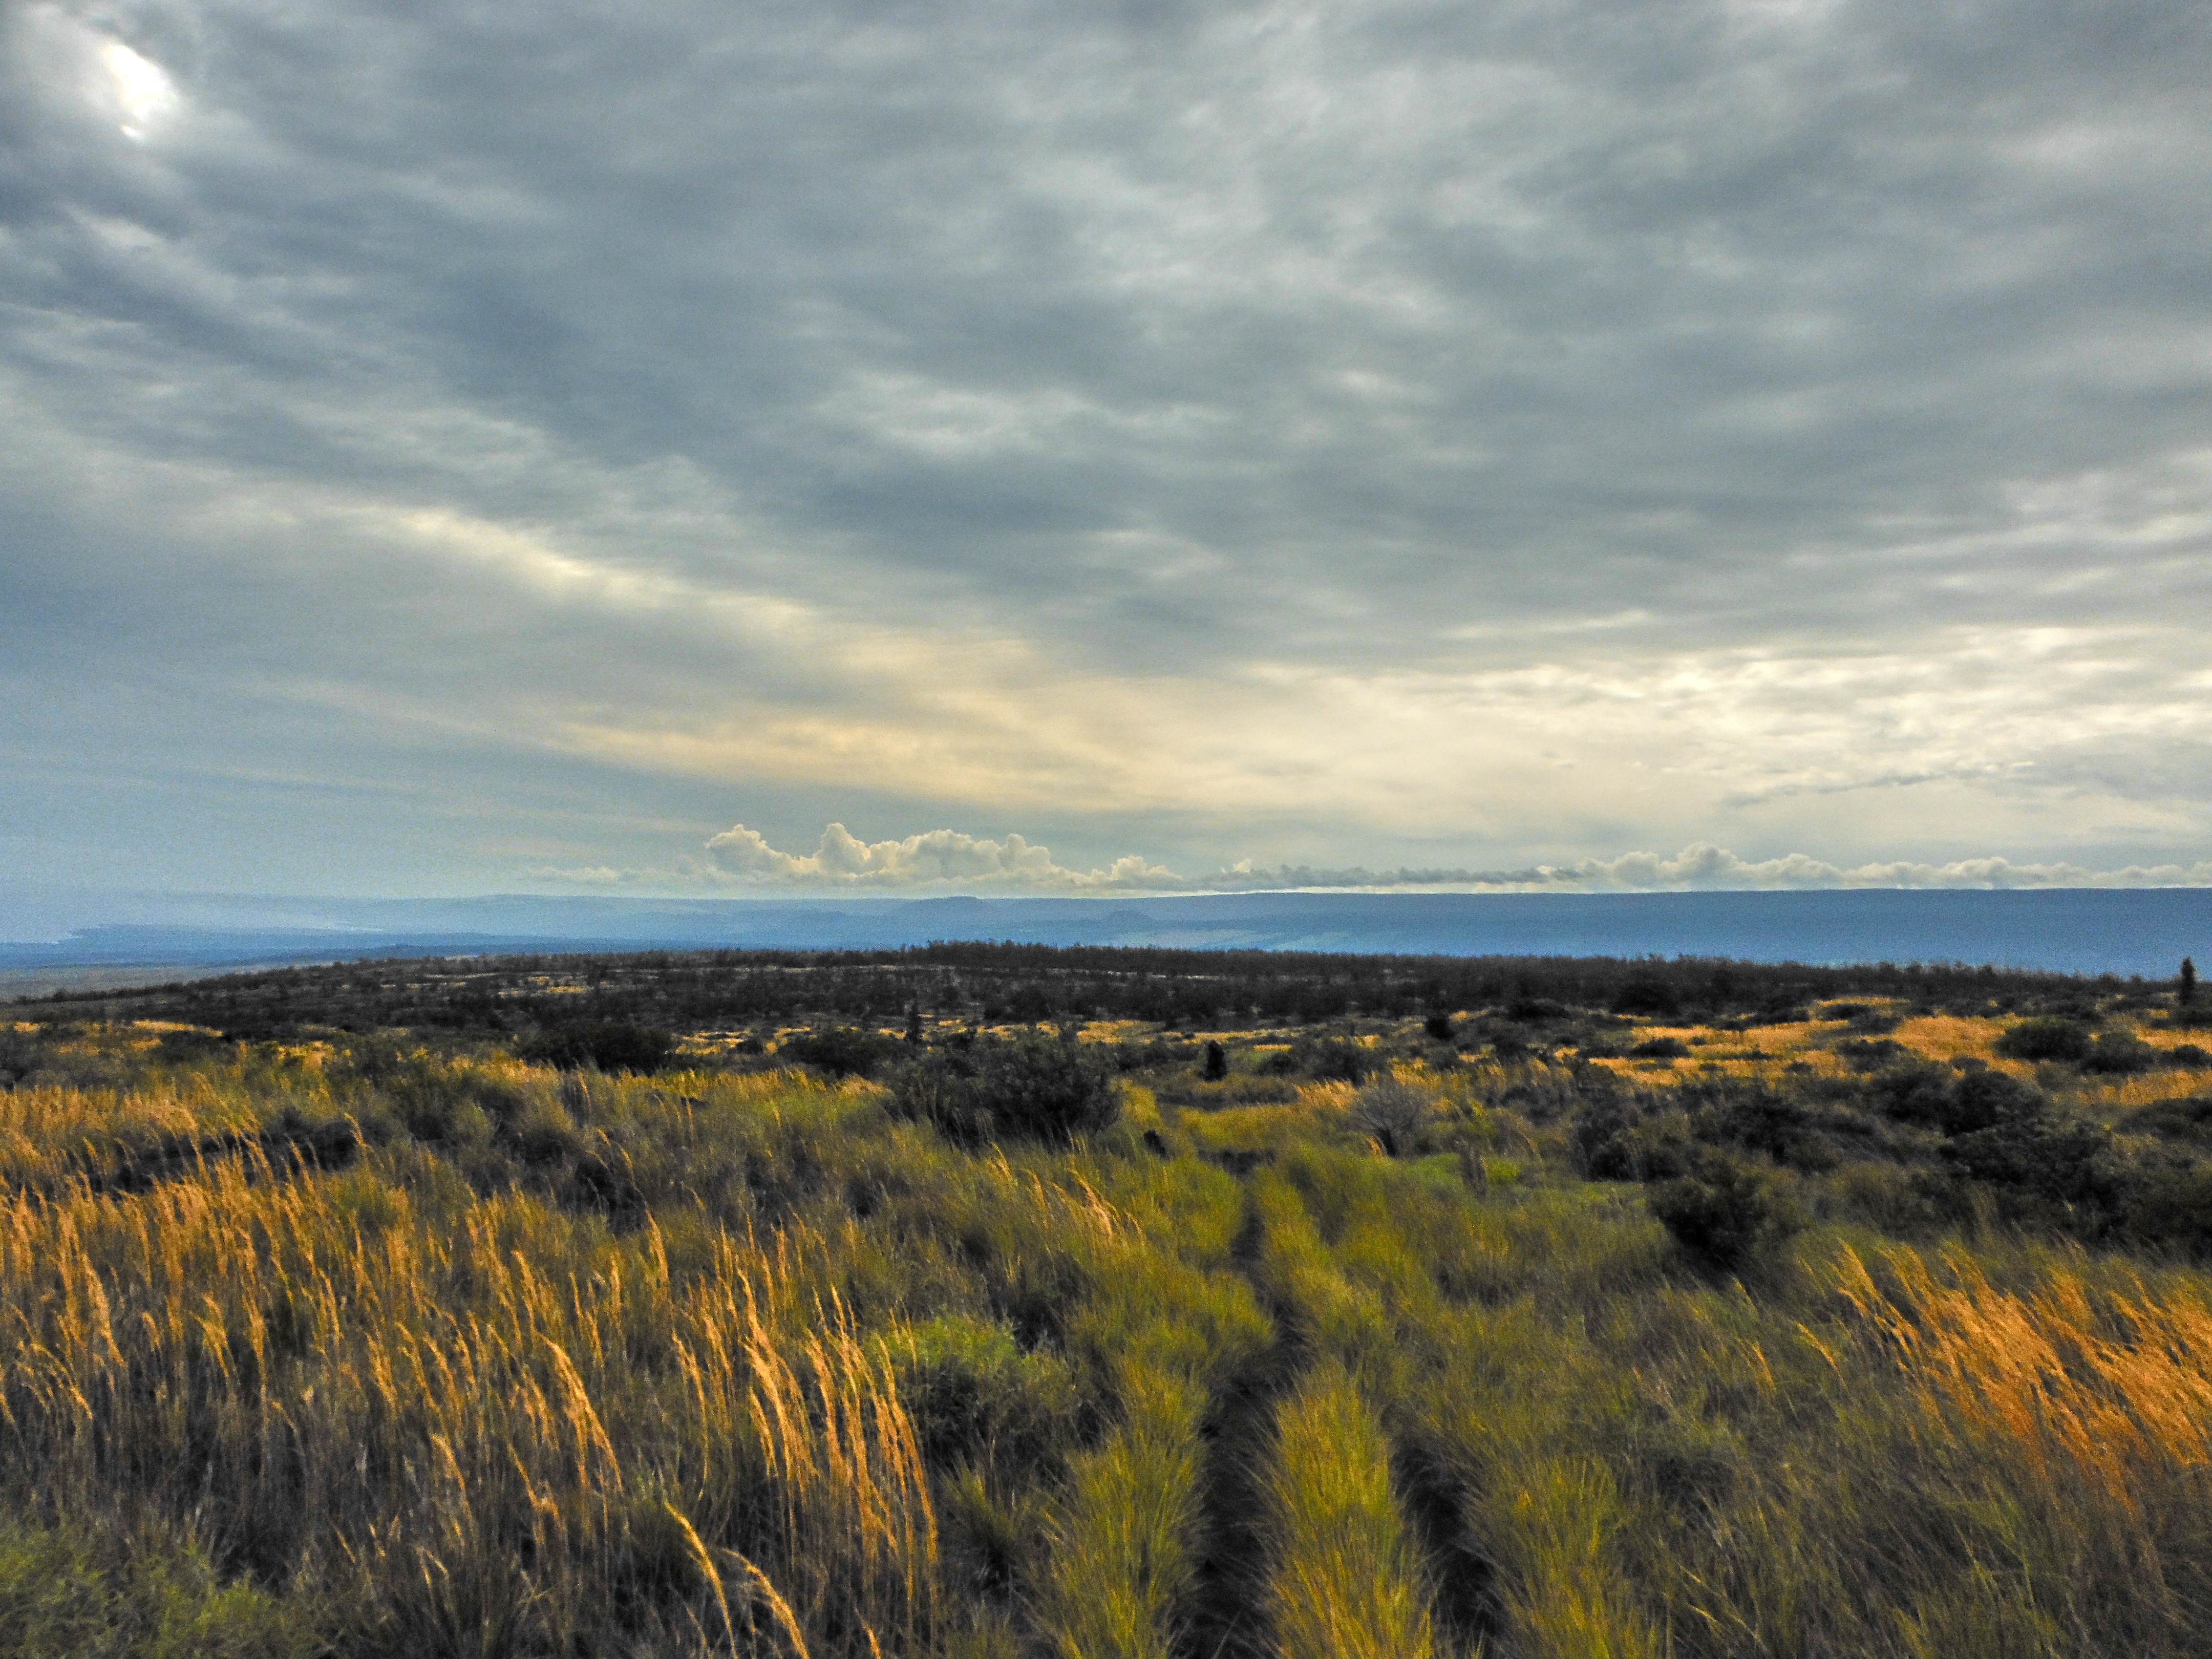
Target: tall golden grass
{"points": [[474, 1435], [460, 1414], [2100, 1392]]}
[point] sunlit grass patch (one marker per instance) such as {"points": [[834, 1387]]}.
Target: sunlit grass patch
{"points": [[1947, 1036], [1347, 1578]]}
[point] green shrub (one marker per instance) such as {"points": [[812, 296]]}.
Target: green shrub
{"points": [[2050, 1037], [1985, 1098], [976, 1397], [1723, 1212], [2045, 1154], [607, 1045], [1616, 1138], [2121, 1054], [842, 1050], [60, 1600], [2172, 1206], [1031, 1087]]}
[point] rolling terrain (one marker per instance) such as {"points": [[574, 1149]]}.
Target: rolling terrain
{"points": [[1002, 1301]]}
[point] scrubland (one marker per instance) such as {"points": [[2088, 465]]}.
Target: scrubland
{"points": [[1562, 1337]]}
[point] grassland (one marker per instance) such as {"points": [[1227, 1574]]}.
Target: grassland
{"points": [[1374, 1343]]}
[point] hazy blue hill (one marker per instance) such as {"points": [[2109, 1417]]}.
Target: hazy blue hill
{"points": [[2072, 930]]}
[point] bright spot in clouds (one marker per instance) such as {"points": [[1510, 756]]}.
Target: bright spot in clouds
{"points": [[141, 87]]}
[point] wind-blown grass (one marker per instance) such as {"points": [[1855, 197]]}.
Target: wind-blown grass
{"points": [[1347, 1581], [570, 1365]]}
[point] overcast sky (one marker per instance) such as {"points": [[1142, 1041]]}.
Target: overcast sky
{"points": [[451, 448]]}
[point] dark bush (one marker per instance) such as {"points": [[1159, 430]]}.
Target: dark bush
{"points": [[2189, 1119], [1159, 1055], [1617, 1140], [2173, 1207], [842, 1050], [608, 1045], [2187, 1055], [20, 1054], [1661, 1049], [1723, 1212], [1758, 1119], [2050, 1037], [1217, 1062], [1646, 995], [1438, 1028], [1869, 1053], [181, 1048], [1985, 1098], [1030, 1087], [1507, 1042], [1914, 1093], [433, 1099], [2120, 1053], [2052, 1157], [1529, 1009], [1334, 1059]]}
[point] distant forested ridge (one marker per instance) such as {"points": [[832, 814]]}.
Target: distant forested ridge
{"points": [[994, 983]]}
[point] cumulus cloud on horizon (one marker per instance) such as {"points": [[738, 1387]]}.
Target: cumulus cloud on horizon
{"points": [[934, 858], [942, 859]]}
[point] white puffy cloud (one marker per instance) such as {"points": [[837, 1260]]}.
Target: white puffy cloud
{"points": [[936, 857], [943, 859]]}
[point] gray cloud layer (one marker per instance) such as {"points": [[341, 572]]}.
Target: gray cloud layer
{"points": [[1470, 438]]}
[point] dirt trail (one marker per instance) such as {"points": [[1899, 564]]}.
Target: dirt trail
{"points": [[1463, 1582], [1229, 1617]]}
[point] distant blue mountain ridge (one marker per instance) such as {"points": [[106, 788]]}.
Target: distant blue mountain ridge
{"points": [[2070, 930]]}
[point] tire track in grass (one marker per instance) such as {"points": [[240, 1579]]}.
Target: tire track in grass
{"points": [[1462, 1580], [1229, 1613]]}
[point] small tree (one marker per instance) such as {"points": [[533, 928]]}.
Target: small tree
{"points": [[1217, 1061], [1394, 1113], [2187, 995]]}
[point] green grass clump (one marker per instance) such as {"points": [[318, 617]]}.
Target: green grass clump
{"points": [[1346, 1580], [63, 1595]]}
